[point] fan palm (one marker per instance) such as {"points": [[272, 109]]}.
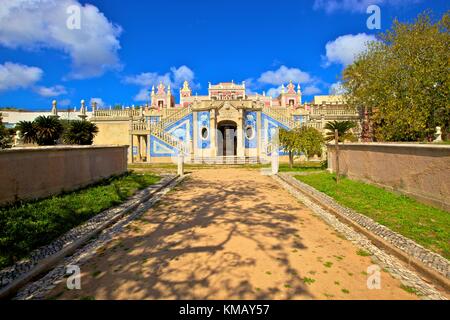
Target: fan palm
{"points": [[28, 132], [343, 128], [80, 132], [48, 130]]}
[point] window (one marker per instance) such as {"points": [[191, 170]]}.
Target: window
{"points": [[205, 133], [249, 132]]}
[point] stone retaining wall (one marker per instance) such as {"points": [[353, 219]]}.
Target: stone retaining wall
{"points": [[419, 170], [31, 173]]}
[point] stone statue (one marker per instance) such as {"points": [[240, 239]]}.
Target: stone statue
{"points": [[438, 135]]}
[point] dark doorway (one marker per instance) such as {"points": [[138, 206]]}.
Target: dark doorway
{"points": [[226, 138]]}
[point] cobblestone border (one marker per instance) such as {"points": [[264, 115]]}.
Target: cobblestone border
{"points": [[387, 261], [44, 258], [40, 289]]}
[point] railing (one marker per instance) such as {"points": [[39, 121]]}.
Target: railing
{"points": [[333, 111], [121, 113], [173, 115], [281, 115]]}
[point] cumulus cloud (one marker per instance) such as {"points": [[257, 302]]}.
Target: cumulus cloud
{"points": [[14, 76], [283, 75], [346, 48], [331, 6], [337, 88], [35, 24], [274, 92], [311, 90], [175, 78], [54, 91], [99, 101]]}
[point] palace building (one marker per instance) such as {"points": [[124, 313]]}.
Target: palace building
{"points": [[226, 126]]}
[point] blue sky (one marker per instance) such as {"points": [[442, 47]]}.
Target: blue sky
{"points": [[123, 47]]}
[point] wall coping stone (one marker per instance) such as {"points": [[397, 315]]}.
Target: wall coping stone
{"points": [[60, 148]]}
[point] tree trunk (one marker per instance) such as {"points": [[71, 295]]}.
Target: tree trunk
{"points": [[291, 159], [336, 139]]}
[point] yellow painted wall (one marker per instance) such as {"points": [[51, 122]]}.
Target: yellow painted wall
{"points": [[112, 132]]}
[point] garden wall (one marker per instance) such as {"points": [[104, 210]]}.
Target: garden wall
{"points": [[418, 170], [31, 173]]}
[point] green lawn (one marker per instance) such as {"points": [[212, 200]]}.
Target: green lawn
{"points": [[424, 224], [27, 226]]}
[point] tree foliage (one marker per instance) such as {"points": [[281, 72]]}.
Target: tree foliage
{"points": [[403, 80], [5, 137], [304, 140], [343, 128], [48, 130], [27, 131], [80, 132]]}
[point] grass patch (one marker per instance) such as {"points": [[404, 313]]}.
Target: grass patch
{"points": [[345, 291], [424, 224], [363, 253], [328, 264], [409, 289], [26, 226], [307, 280]]}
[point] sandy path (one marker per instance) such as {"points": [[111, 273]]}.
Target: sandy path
{"points": [[229, 234]]}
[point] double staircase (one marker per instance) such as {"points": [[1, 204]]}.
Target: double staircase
{"points": [[281, 115], [159, 129]]}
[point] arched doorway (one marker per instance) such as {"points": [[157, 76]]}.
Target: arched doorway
{"points": [[226, 138]]}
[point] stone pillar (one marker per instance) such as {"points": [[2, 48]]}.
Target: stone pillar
{"points": [[239, 135], [147, 147], [180, 159], [139, 138], [195, 135], [275, 160], [213, 130], [259, 134], [130, 149]]}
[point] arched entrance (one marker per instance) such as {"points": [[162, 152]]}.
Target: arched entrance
{"points": [[226, 138]]}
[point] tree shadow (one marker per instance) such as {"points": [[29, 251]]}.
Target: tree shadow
{"points": [[204, 241]]}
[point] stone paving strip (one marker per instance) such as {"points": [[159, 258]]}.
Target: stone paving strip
{"points": [[44, 258], [387, 261]]}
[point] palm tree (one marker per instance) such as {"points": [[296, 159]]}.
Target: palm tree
{"points": [[48, 129], [28, 131], [343, 128], [80, 132]]}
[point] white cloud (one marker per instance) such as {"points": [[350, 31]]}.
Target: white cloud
{"points": [[311, 90], [274, 92], [14, 76], [346, 48], [99, 101], [64, 103], [331, 6], [175, 78], [283, 75], [51, 91], [34, 24], [337, 88]]}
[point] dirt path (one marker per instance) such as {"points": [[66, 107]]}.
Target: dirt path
{"points": [[229, 234]]}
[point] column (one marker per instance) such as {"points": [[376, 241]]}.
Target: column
{"points": [[130, 149], [139, 148], [259, 133], [195, 135], [147, 147], [240, 136], [212, 130]]}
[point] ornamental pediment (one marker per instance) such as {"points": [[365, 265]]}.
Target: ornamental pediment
{"points": [[227, 110]]}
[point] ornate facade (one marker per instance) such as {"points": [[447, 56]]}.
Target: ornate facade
{"points": [[226, 126]]}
